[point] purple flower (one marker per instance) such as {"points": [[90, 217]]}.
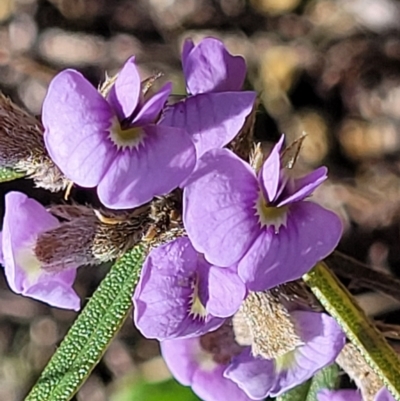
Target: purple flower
{"points": [[216, 108], [260, 221], [25, 219], [259, 378], [179, 294], [352, 395], [193, 366], [114, 143]]}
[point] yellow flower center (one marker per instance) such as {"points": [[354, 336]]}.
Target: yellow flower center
{"points": [[270, 215], [124, 138], [285, 361], [27, 261], [197, 309]]}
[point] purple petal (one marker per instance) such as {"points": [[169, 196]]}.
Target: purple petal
{"points": [[181, 357], [1, 249], [212, 120], [226, 291], [188, 46], [339, 395], [218, 207], [77, 121], [125, 94], [305, 186], [163, 295], [255, 376], [152, 108], [56, 290], [323, 340], [384, 395], [213, 386], [270, 172], [24, 220], [311, 233], [208, 67], [155, 168]]}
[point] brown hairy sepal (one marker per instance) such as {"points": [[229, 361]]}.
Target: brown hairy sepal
{"points": [[22, 147], [264, 322], [90, 237]]}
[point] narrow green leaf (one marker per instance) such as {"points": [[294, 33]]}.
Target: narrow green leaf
{"points": [[91, 333], [325, 378], [340, 304], [9, 174]]}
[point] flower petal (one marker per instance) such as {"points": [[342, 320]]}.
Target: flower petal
{"points": [[218, 207], [24, 220], [339, 395], [208, 67], [226, 291], [212, 120], [180, 355], [77, 121], [269, 175], [152, 108], [188, 46], [384, 395], [304, 186], [311, 233], [156, 167], [162, 299], [56, 291], [124, 95], [213, 386], [323, 341], [255, 376]]}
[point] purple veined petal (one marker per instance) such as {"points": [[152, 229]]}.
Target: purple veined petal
{"points": [[269, 175], [305, 186], [181, 357], [162, 297], [56, 291], [339, 395], [311, 233], [323, 341], [208, 67], [226, 291], [255, 376], [152, 108], [212, 120], [213, 386], [161, 163], [218, 207], [24, 220], [77, 121], [124, 95], [384, 395]]}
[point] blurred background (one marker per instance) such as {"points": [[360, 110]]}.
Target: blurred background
{"points": [[329, 68]]}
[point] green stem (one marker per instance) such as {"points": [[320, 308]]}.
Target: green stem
{"points": [[91, 333], [337, 301]]}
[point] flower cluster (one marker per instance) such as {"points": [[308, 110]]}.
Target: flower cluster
{"points": [[246, 227]]}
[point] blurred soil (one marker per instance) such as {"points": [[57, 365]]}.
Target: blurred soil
{"points": [[329, 68]]}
